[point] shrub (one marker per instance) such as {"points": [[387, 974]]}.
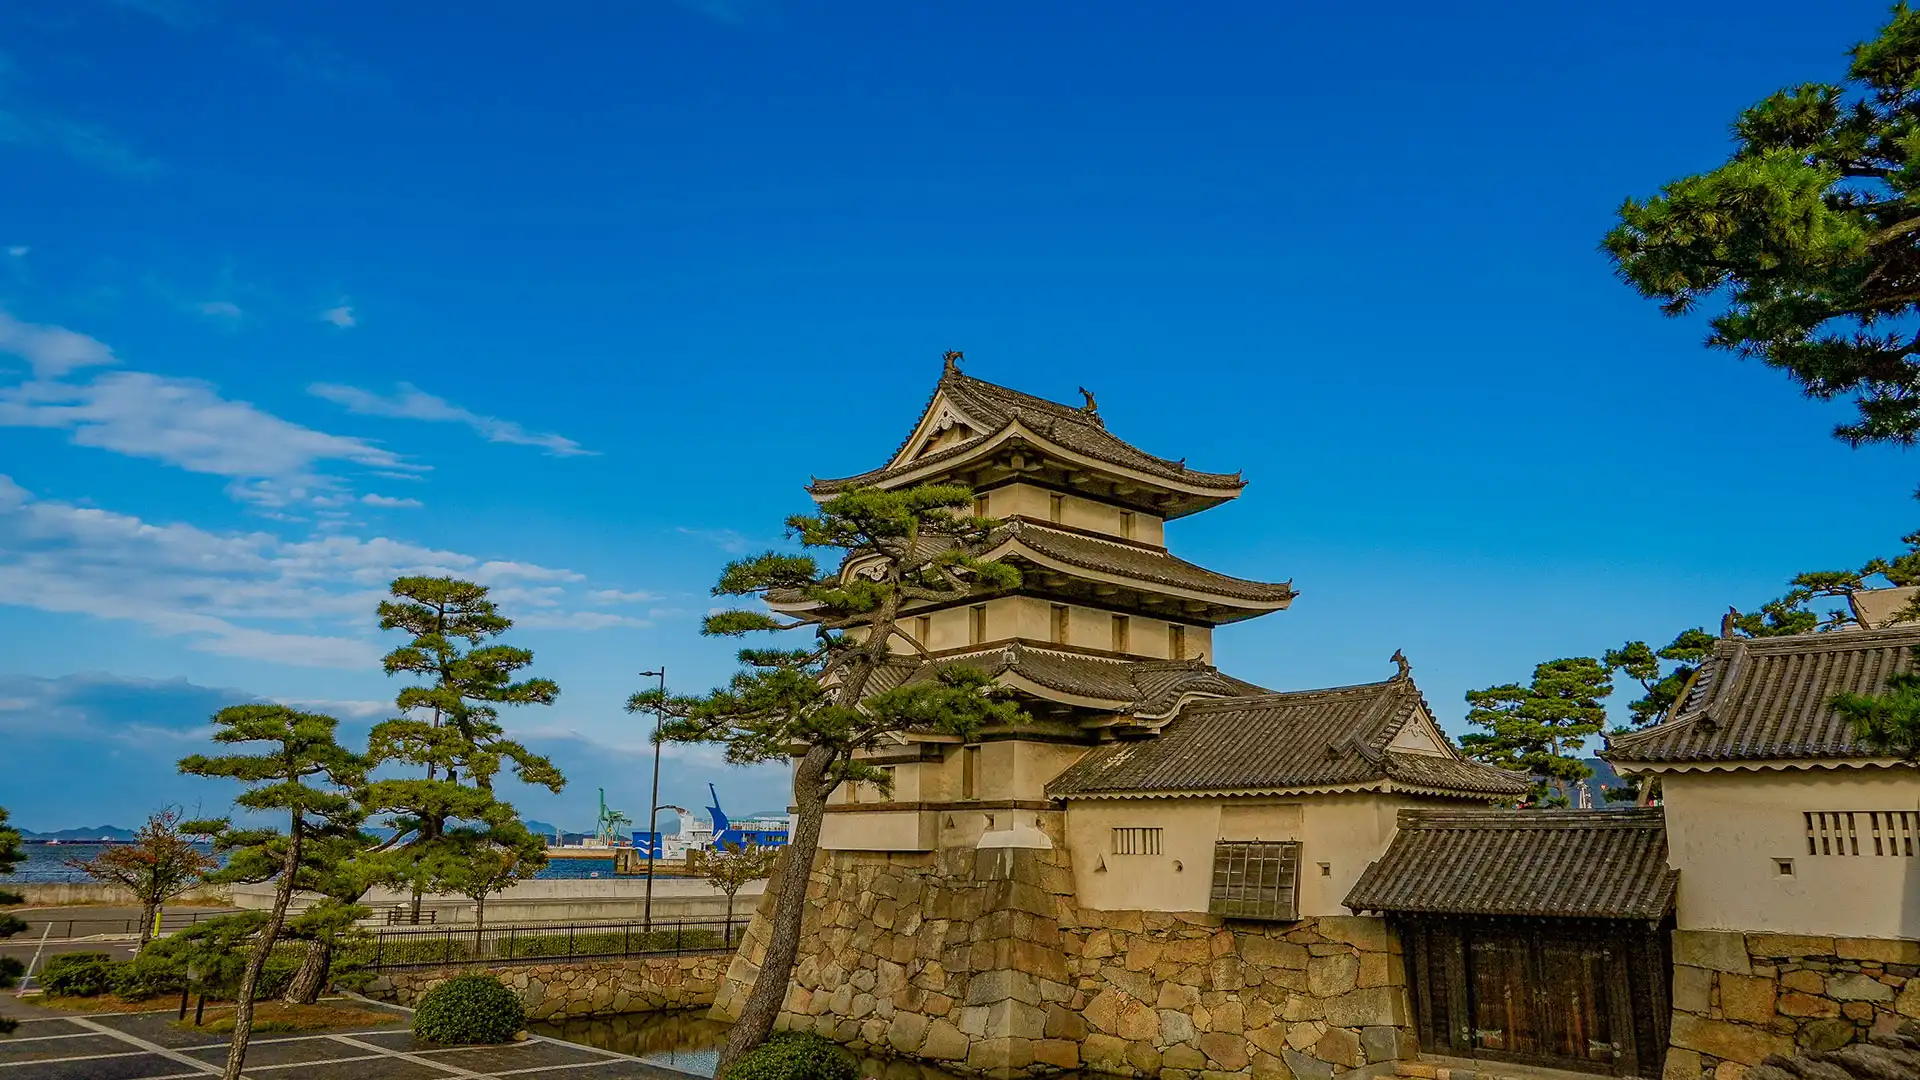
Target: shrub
{"points": [[77, 974], [469, 1009], [795, 1055], [146, 976]]}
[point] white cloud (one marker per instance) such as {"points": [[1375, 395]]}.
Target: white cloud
{"points": [[727, 540], [390, 503], [51, 350], [577, 620], [219, 309], [341, 316], [19, 251], [411, 403], [619, 596], [253, 595]]}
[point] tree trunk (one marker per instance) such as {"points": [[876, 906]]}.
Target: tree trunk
{"points": [[415, 917], [243, 1005], [312, 976], [763, 1003], [147, 912]]}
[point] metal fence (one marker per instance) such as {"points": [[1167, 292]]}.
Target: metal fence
{"points": [[81, 927], [410, 947]]}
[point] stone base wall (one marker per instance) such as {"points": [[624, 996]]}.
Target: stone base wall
{"points": [[979, 961], [581, 987], [1740, 997]]}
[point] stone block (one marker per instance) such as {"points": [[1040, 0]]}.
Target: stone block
{"points": [[1381, 969], [1175, 1027], [1058, 1053], [906, 1031], [1908, 1002], [945, 1042], [1226, 974], [1729, 1070], [1682, 1065], [1379, 1042], [1826, 1034], [1884, 950], [1797, 1004], [1722, 1039], [1331, 976], [1692, 989], [1375, 1005], [1177, 996], [1340, 1046], [1715, 950], [1144, 1056], [1858, 987], [1807, 982], [1183, 1057], [1139, 1022], [1859, 1012], [1229, 1016], [1783, 945], [1227, 1052], [1307, 1068], [1362, 932], [1748, 998], [1302, 1036], [1104, 1053], [973, 1020]]}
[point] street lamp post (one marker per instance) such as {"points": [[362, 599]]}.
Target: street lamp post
{"points": [[653, 814]]}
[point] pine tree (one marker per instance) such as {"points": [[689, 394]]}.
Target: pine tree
{"points": [[1539, 728], [1809, 234], [299, 770], [732, 869], [1889, 721], [10, 857], [917, 544], [160, 864], [450, 728]]}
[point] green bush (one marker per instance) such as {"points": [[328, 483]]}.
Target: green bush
{"points": [[146, 976], [77, 974], [796, 1055], [469, 1009]]}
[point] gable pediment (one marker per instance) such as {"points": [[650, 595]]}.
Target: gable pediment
{"points": [[943, 425]]}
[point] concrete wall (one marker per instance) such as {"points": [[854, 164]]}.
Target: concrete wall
{"points": [[555, 900], [1344, 832], [1740, 997], [582, 987], [979, 960], [1726, 831], [54, 893]]}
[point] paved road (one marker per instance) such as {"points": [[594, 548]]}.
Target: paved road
{"points": [[148, 1046], [81, 921]]}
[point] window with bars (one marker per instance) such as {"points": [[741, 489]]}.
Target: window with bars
{"points": [[1256, 879], [1862, 832], [1136, 841]]}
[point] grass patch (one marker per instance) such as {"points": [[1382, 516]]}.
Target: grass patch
{"points": [[102, 1003], [278, 1016]]}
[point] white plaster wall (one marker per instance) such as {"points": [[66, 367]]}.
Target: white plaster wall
{"points": [[1076, 511], [1726, 829], [1031, 618], [1347, 832]]}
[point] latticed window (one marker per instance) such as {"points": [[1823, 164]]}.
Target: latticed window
{"points": [[1862, 832], [1256, 879], [1136, 841]]}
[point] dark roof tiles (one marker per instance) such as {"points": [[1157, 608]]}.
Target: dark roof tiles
{"points": [[1758, 699], [994, 407], [1138, 561], [1609, 864], [1312, 738]]}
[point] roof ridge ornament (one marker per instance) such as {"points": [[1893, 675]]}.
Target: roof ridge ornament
{"points": [[950, 363], [1406, 669], [1092, 407], [1727, 622]]}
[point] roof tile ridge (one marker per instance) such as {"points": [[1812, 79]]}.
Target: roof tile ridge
{"points": [[1276, 695]]}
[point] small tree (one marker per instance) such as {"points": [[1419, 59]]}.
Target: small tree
{"points": [[731, 869], [450, 726], [1540, 727], [479, 862], [340, 868], [1810, 232], [10, 856], [300, 771], [916, 545], [162, 862]]}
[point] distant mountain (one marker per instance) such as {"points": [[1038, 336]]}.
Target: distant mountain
{"points": [[541, 828], [96, 832]]}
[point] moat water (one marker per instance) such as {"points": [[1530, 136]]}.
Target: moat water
{"points": [[690, 1043]]}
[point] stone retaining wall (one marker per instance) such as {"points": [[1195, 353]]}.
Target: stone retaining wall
{"points": [[978, 960], [1740, 997], [580, 987]]}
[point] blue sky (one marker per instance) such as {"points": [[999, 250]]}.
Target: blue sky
{"points": [[573, 299]]}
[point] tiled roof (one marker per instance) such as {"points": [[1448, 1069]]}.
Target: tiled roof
{"points": [[1604, 864], [1312, 738], [1759, 699], [994, 407], [1137, 561], [1145, 688]]}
